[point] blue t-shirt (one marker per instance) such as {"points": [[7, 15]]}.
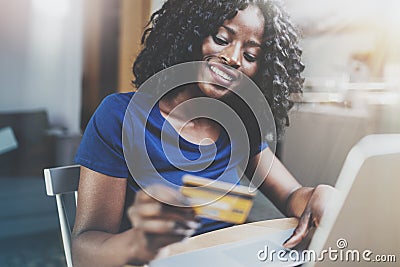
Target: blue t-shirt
{"points": [[116, 148]]}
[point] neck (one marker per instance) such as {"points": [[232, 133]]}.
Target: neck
{"points": [[178, 96]]}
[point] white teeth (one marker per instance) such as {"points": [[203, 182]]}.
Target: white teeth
{"points": [[221, 73]]}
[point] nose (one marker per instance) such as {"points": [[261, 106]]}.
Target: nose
{"points": [[231, 56]]}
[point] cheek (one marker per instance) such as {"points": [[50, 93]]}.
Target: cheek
{"points": [[204, 46], [251, 71], [208, 47]]}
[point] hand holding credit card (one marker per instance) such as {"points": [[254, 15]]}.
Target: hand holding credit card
{"points": [[218, 200]]}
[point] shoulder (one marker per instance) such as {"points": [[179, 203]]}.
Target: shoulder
{"points": [[101, 146], [113, 106], [116, 101], [109, 116]]}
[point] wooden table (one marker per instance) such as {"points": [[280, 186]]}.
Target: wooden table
{"points": [[228, 235]]}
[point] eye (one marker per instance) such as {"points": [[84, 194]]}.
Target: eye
{"points": [[219, 40], [250, 57]]}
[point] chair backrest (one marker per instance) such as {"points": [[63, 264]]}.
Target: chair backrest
{"points": [[62, 182]]}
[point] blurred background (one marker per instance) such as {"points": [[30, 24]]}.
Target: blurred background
{"points": [[60, 58]]}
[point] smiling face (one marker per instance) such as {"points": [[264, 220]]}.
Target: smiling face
{"points": [[237, 44]]}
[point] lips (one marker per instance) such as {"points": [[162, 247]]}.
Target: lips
{"points": [[223, 74]]}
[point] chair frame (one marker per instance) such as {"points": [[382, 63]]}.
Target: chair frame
{"points": [[59, 182]]}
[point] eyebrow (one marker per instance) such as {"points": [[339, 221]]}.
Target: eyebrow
{"points": [[251, 43]]}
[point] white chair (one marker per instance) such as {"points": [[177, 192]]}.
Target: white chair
{"points": [[62, 182]]}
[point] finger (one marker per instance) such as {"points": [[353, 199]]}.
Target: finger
{"points": [[146, 210], [162, 194], [156, 226], [157, 209], [316, 221], [142, 197], [139, 214], [162, 226], [187, 212], [168, 195], [179, 227], [300, 232], [146, 206], [156, 241]]}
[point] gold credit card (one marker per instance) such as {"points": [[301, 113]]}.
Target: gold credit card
{"points": [[218, 200]]}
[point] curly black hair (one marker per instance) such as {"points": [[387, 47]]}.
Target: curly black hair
{"points": [[177, 30]]}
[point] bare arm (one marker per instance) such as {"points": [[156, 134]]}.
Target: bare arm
{"points": [[278, 184], [95, 241], [305, 203], [95, 238]]}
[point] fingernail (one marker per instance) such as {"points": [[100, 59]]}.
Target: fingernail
{"points": [[185, 232], [287, 245], [286, 242], [193, 224]]}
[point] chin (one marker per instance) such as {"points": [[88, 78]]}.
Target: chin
{"points": [[222, 79], [214, 91]]}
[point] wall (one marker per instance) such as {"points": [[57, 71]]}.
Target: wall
{"points": [[41, 58], [134, 16], [156, 4], [348, 40], [348, 50]]}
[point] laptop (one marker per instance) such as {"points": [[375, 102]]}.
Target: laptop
{"points": [[360, 227]]}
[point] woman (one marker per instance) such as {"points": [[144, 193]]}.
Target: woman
{"points": [[252, 37]]}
